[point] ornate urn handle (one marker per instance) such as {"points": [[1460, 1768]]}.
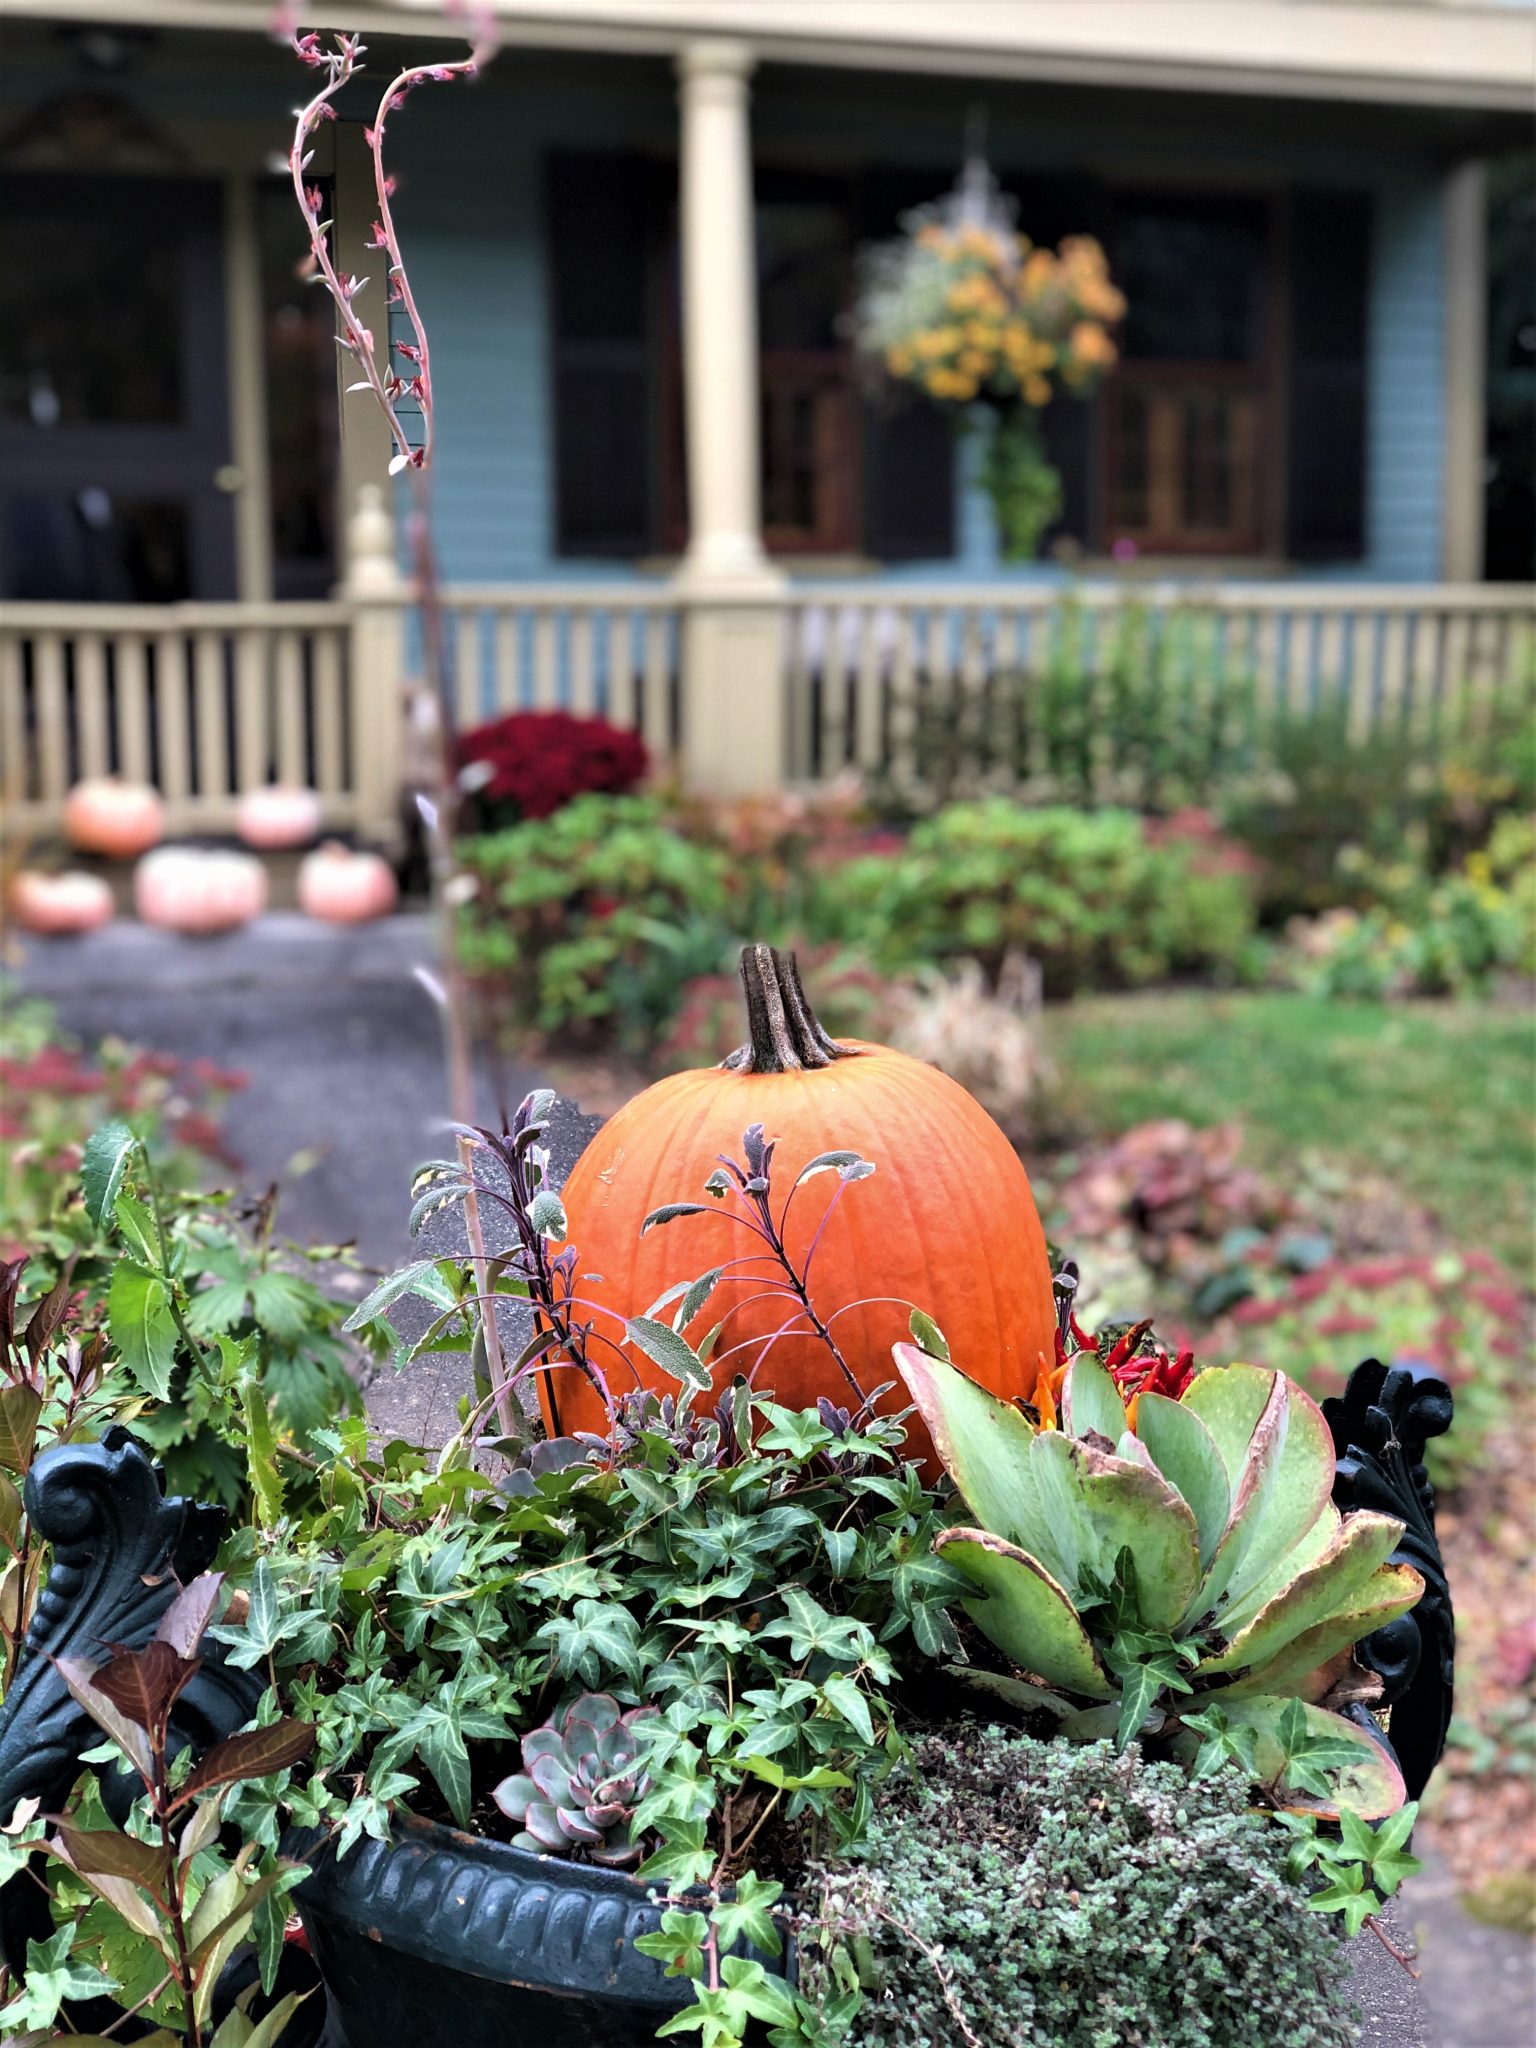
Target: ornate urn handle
{"points": [[1381, 1424], [120, 1551]]}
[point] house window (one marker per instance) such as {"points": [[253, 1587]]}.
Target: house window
{"points": [[299, 343], [842, 468], [810, 415], [1192, 408]]}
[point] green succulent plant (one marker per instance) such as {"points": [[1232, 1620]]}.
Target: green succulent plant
{"points": [[581, 1781], [1181, 1562]]}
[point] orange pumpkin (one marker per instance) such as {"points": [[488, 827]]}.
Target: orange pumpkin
{"points": [[946, 1223]]}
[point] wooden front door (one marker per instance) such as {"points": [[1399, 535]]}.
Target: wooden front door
{"points": [[114, 418]]}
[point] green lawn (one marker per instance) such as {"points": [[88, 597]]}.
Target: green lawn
{"points": [[1441, 1097]]}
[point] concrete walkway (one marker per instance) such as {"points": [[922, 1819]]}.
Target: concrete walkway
{"points": [[346, 1094]]}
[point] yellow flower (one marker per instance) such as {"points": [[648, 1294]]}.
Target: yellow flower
{"points": [[898, 361], [1090, 345], [1038, 274], [1037, 391]]}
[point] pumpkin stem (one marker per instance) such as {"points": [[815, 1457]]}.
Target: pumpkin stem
{"points": [[785, 1036]]}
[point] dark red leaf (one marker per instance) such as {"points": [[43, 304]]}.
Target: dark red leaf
{"points": [[107, 1852], [183, 1622], [48, 1316], [255, 1753], [145, 1684]]}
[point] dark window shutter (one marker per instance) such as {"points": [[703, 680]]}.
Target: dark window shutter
{"points": [[1051, 207], [600, 218], [1329, 312], [908, 469]]}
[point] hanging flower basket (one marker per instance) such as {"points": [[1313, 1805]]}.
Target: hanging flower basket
{"points": [[966, 310]]}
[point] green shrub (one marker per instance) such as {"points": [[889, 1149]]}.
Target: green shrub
{"points": [[1332, 808], [1418, 936], [1084, 894], [1045, 1895], [588, 923], [1143, 709]]}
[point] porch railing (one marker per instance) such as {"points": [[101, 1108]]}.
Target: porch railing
{"points": [[208, 701], [590, 649], [1155, 692], [204, 701], [1155, 696]]}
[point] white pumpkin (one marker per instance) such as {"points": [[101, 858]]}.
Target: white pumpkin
{"points": [[58, 904], [189, 889], [106, 815], [343, 887], [279, 815]]}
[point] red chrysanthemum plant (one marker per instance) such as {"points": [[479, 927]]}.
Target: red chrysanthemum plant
{"points": [[340, 61]]}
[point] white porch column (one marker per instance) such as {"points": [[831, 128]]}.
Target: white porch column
{"points": [[1466, 347], [720, 356], [734, 724]]}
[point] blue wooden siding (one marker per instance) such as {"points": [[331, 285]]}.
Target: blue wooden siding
{"points": [[1405, 381]]}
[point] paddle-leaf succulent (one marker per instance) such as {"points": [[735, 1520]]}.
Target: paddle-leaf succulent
{"points": [[1140, 1566]]}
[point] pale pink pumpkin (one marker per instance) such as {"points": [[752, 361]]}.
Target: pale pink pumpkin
{"points": [[106, 815], [197, 891], [342, 887], [279, 815], [57, 905]]}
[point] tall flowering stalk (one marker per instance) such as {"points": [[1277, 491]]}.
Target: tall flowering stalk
{"points": [[340, 63]]}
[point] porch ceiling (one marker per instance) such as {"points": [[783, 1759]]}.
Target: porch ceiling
{"points": [[1472, 54]]}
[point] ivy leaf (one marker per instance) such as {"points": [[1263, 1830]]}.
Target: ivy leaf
{"points": [[593, 1638], [764, 1997], [1349, 1896], [810, 1628], [748, 1917], [142, 1326], [1139, 1687], [934, 1630], [678, 1942], [103, 1166], [441, 1746], [257, 1637], [843, 1695], [1310, 1757], [52, 1977], [673, 1353], [795, 1430], [682, 1858], [1221, 1742]]}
